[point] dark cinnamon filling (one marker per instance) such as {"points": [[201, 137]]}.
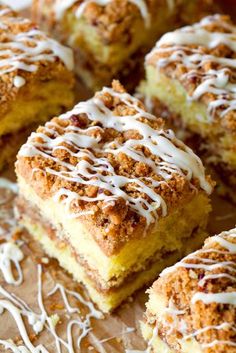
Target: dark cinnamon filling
{"points": [[110, 286]]}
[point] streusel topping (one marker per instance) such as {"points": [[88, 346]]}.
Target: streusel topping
{"points": [[201, 296], [109, 156], [203, 58], [24, 48], [88, 5]]}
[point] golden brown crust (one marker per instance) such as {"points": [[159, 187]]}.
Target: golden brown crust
{"points": [[178, 70], [180, 284], [42, 69], [115, 220]]}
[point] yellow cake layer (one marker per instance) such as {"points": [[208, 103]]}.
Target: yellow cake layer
{"points": [[107, 301], [170, 234], [193, 114], [36, 103], [86, 37], [108, 59]]}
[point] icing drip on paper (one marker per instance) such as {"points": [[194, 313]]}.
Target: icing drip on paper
{"points": [[23, 50], [8, 224], [10, 254], [7, 184], [17, 5], [19, 309], [62, 6], [227, 270], [174, 156], [219, 81], [93, 312]]}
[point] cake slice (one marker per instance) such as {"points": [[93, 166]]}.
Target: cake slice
{"points": [[111, 37], [112, 194], [192, 306], [193, 72], [36, 80]]}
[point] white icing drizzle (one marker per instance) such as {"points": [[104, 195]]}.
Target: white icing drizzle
{"points": [[93, 312], [17, 5], [218, 342], [22, 51], [223, 326], [7, 184], [172, 311], [4, 12], [7, 220], [19, 309], [124, 332], [228, 271], [219, 81], [61, 6], [10, 254], [19, 81], [174, 156], [220, 298]]}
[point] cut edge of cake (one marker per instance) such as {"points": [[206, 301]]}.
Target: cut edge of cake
{"points": [[184, 310], [91, 183]]}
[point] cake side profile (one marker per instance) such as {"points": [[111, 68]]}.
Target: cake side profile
{"points": [[112, 194], [191, 306], [33, 68], [111, 37], [192, 70]]}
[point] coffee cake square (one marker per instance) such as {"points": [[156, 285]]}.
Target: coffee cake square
{"points": [[36, 80], [192, 71], [110, 38], [112, 194], [191, 307]]}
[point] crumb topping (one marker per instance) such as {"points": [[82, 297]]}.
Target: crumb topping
{"points": [[113, 20], [110, 160], [203, 58], [24, 49], [89, 7], [201, 296]]}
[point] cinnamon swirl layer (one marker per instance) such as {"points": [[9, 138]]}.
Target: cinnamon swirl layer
{"points": [[114, 183]]}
